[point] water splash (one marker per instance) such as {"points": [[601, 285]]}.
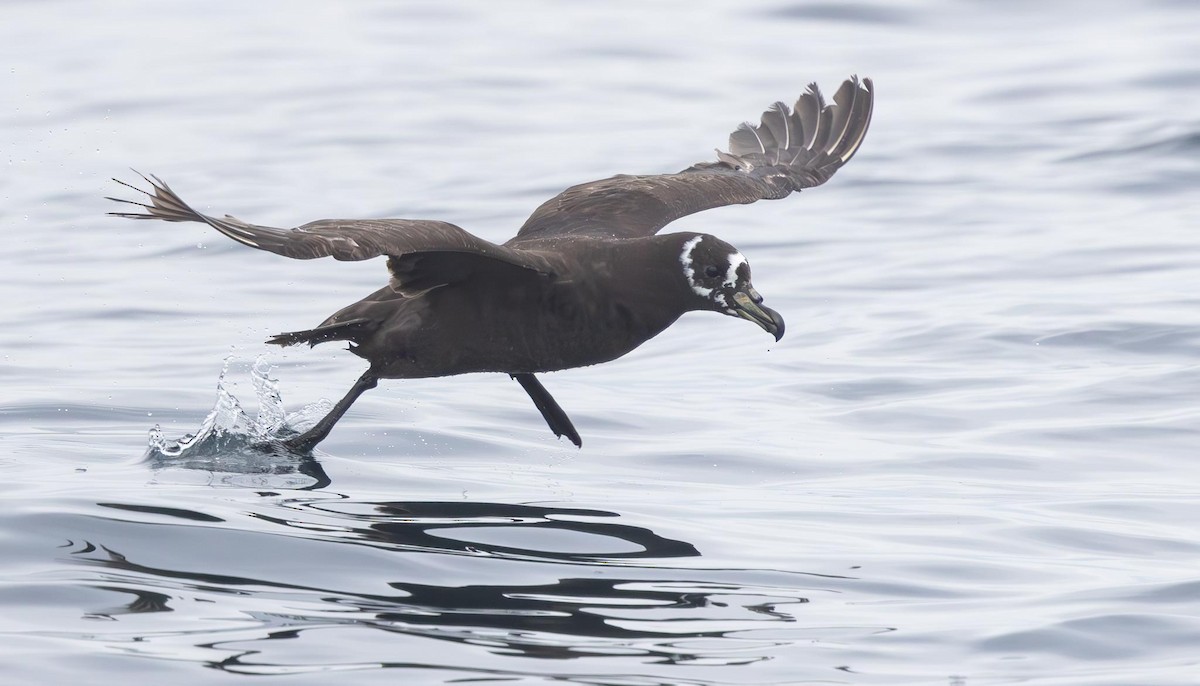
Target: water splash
{"points": [[270, 403], [229, 430]]}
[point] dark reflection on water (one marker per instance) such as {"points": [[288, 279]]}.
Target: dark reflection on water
{"points": [[143, 601], [576, 583], [165, 511], [431, 525]]}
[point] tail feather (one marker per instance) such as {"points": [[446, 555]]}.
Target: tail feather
{"points": [[353, 330]]}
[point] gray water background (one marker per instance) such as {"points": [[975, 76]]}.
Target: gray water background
{"points": [[972, 460]]}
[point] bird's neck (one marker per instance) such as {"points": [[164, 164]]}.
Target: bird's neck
{"points": [[651, 276]]}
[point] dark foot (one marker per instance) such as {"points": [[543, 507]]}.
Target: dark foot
{"points": [[558, 420], [305, 442]]}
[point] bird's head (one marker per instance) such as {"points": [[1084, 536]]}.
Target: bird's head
{"points": [[719, 277]]}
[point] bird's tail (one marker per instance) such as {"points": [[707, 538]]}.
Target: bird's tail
{"points": [[353, 330]]}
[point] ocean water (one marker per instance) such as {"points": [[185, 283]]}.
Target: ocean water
{"points": [[972, 460]]}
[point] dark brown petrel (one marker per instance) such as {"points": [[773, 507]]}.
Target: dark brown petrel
{"points": [[586, 279]]}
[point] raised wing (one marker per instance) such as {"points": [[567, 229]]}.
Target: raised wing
{"points": [[422, 253], [788, 150]]}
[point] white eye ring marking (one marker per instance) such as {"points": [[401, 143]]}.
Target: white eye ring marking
{"points": [[736, 260], [685, 258]]}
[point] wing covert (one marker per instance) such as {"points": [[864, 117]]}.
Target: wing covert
{"points": [[418, 248], [788, 151]]}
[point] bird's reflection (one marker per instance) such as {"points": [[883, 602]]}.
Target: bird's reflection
{"points": [[449, 527], [530, 581]]}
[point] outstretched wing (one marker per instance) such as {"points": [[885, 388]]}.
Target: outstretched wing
{"points": [[422, 253], [789, 150]]}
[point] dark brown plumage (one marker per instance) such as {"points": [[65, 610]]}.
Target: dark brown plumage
{"points": [[585, 280]]}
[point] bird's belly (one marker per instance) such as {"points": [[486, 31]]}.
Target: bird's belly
{"points": [[543, 348], [461, 340]]}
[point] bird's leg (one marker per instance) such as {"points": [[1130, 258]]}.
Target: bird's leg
{"points": [[308, 440], [558, 420]]}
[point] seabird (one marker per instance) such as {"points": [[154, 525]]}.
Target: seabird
{"points": [[586, 279]]}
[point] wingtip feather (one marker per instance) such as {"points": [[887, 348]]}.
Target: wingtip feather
{"points": [[812, 140]]}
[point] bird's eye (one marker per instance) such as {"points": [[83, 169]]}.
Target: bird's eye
{"points": [[712, 272]]}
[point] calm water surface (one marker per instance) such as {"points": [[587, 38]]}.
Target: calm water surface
{"points": [[973, 459]]}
